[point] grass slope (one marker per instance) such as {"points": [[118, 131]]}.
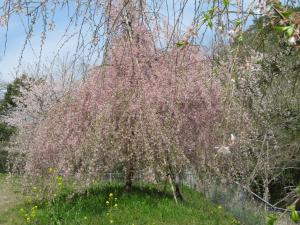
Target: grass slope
{"points": [[10, 197], [145, 205]]}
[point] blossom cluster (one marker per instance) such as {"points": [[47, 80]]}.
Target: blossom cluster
{"points": [[146, 107]]}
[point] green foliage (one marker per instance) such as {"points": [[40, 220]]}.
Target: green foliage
{"points": [[181, 44], [288, 30], [226, 3], [294, 214], [7, 104], [285, 20], [271, 95], [271, 219], [12, 91], [208, 17], [298, 189], [5, 132], [3, 160]]}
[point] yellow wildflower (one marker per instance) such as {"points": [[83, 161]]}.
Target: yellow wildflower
{"points": [[58, 178]]}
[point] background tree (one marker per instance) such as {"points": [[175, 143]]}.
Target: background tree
{"points": [[7, 105], [263, 85]]}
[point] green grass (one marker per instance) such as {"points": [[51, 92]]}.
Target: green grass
{"points": [[10, 196], [145, 205]]}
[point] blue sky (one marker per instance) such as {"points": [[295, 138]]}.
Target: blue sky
{"points": [[15, 41], [16, 37]]}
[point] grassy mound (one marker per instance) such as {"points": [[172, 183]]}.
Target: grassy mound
{"points": [[108, 204]]}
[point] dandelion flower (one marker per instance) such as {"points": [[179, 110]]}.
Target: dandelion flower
{"points": [[50, 170], [111, 195]]}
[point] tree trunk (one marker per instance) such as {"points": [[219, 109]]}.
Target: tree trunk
{"points": [[177, 191], [129, 177]]}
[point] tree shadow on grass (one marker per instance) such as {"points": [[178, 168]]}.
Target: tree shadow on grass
{"points": [[93, 200]]}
